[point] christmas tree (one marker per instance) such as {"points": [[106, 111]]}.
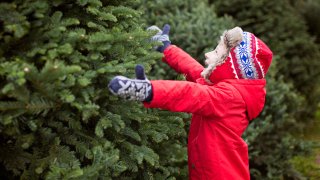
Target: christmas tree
{"points": [[292, 95], [195, 27], [299, 63], [58, 119]]}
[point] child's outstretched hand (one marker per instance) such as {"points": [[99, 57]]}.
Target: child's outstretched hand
{"points": [[161, 36], [132, 89]]}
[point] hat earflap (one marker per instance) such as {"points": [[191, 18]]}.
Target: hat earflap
{"points": [[229, 39]]}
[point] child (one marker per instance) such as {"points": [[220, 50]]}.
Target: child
{"points": [[223, 98]]}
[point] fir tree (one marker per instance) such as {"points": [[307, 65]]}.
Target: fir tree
{"points": [[280, 25], [310, 10], [270, 137], [57, 118], [195, 27], [292, 95]]}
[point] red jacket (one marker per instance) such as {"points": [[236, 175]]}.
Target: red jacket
{"points": [[220, 114]]}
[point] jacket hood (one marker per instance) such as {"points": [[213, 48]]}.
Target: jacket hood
{"points": [[248, 60], [253, 92]]}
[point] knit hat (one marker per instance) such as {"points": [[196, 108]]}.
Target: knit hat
{"points": [[240, 55]]}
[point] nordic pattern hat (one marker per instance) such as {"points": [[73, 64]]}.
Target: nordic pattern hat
{"points": [[244, 56]]}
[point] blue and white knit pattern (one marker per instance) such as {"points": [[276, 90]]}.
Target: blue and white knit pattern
{"points": [[244, 58], [159, 36], [130, 89]]}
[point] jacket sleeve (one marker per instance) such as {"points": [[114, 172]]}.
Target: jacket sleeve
{"points": [[183, 96], [182, 62]]}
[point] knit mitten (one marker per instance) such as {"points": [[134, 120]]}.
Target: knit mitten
{"points": [[161, 36], [139, 89]]}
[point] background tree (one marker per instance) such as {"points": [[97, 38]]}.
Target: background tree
{"points": [[309, 10], [197, 30], [280, 24], [195, 27]]}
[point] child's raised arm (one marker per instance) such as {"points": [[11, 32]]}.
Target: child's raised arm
{"points": [[175, 57], [182, 63]]}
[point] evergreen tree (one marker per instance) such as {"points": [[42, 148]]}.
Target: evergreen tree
{"points": [[57, 118], [280, 25], [288, 107], [270, 137], [310, 10], [195, 27]]}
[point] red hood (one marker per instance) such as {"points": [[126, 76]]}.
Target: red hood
{"points": [[253, 92]]}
